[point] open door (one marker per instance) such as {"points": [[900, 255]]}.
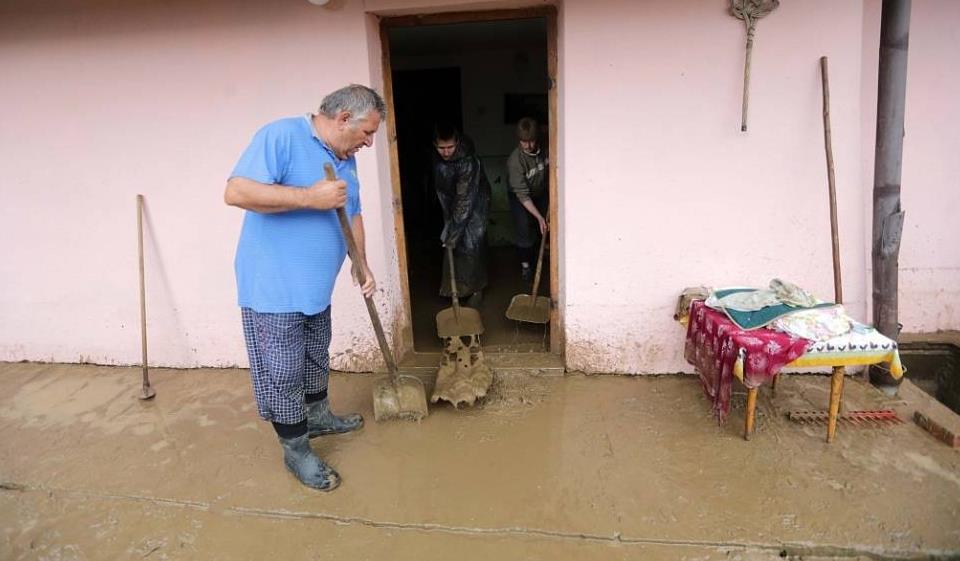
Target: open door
{"points": [[481, 72]]}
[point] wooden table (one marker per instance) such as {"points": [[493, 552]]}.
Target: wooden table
{"points": [[721, 352]]}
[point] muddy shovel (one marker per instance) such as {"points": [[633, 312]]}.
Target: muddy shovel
{"points": [[398, 396], [463, 376], [530, 307], [457, 321]]}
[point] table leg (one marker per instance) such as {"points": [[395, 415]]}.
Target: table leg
{"points": [[751, 411], [836, 391], [773, 384]]}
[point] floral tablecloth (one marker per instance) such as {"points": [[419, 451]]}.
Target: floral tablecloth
{"points": [[721, 351]]}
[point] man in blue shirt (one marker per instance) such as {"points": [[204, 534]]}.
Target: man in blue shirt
{"points": [[288, 257]]}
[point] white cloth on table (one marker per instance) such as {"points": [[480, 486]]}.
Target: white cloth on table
{"points": [[817, 324]]}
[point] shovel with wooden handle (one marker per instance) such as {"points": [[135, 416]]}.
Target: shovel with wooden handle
{"points": [[463, 376], [398, 396], [530, 307], [457, 320]]}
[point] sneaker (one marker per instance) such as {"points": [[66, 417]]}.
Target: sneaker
{"points": [[526, 272], [475, 299]]}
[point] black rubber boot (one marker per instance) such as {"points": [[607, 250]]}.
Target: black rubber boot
{"points": [[306, 466], [321, 421]]}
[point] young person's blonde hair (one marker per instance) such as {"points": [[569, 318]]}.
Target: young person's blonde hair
{"points": [[527, 129]]}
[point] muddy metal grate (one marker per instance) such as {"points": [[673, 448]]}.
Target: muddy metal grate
{"points": [[878, 418]]}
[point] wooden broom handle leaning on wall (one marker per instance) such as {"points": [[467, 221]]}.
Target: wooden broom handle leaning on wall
{"points": [[831, 181], [143, 298]]}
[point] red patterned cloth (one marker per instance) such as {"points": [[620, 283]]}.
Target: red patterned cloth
{"points": [[714, 343]]}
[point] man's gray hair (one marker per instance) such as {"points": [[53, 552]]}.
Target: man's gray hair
{"points": [[355, 99]]}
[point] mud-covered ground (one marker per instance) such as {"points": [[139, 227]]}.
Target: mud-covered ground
{"points": [[574, 467]]}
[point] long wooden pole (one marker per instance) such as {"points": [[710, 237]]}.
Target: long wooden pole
{"points": [[836, 380], [832, 182], [146, 391]]}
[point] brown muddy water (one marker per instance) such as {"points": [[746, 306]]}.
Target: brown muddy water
{"points": [[564, 467]]}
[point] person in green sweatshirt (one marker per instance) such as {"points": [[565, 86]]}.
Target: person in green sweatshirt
{"points": [[528, 194]]}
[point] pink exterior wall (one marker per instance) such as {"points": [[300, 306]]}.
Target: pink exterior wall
{"points": [[663, 191], [930, 251], [115, 98]]}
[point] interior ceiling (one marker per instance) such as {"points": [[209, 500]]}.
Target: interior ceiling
{"points": [[465, 37]]}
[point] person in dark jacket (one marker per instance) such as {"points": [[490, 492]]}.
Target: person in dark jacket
{"points": [[527, 176], [464, 194]]}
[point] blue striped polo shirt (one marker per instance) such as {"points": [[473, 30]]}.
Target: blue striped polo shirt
{"points": [[288, 261]]}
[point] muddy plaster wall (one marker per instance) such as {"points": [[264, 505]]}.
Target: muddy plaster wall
{"points": [[660, 188], [103, 100]]}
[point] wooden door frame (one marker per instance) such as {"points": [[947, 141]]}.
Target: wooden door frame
{"points": [[388, 22]]}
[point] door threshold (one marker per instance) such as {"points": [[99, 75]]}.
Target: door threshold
{"points": [[539, 364]]}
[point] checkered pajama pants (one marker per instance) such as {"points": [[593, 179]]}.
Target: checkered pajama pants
{"points": [[289, 356]]}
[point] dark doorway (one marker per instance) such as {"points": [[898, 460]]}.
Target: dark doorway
{"points": [[481, 76], [422, 98]]}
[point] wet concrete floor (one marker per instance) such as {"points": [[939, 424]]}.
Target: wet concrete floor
{"points": [[500, 334], [573, 467]]}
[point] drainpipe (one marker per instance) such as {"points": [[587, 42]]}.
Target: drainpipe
{"points": [[888, 160]]}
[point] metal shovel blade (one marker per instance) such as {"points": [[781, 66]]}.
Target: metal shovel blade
{"points": [[403, 398], [523, 307], [449, 325]]}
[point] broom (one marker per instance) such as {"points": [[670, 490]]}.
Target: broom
{"points": [[749, 11]]}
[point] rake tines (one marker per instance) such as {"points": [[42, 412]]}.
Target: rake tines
{"points": [[873, 418]]}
